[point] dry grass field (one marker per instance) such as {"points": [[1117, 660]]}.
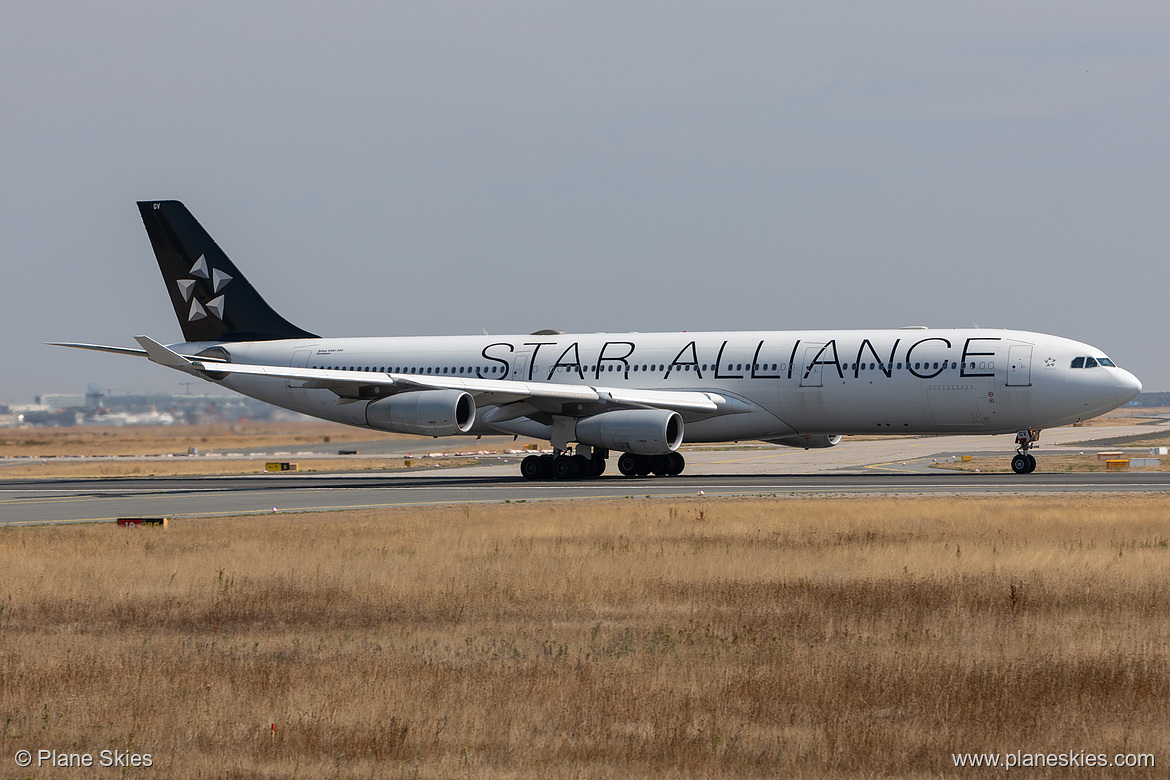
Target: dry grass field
{"points": [[161, 440], [181, 467], [1127, 415], [67, 453], [703, 638]]}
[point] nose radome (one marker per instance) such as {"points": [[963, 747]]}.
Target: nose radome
{"points": [[1128, 386]]}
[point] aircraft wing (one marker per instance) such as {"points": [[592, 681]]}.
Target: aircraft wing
{"points": [[365, 385]]}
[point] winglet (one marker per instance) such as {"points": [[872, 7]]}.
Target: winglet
{"points": [[157, 353]]}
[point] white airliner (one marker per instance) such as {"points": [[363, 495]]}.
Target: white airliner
{"points": [[640, 394]]}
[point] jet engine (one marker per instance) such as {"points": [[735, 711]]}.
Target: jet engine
{"points": [[427, 412], [640, 431], [807, 442]]}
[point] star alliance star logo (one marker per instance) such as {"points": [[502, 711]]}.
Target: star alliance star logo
{"points": [[218, 280], [1050, 362]]}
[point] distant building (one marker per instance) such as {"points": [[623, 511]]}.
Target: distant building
{"points": [[118, 408]]}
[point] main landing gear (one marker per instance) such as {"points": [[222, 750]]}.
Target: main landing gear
{"points": [[1023, 462], [563, 466], [669, 465], [582, 466]]}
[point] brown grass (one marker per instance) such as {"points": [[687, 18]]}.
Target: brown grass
{"points": [[161, 440], [706, 638], [1153, 441], [179, 467], [1128, 415]]}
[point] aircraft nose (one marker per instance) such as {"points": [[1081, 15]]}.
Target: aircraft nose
{"points": [[1127, 385]]}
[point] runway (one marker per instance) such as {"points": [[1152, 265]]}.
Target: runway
{"points": [[63, 501], [880, 466]]}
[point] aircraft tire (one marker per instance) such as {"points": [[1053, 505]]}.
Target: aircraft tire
{"points": [[628, 464], [598, 465], [1020, 464], [1031, 464], [660, 465], [677, 464], [532, 467], [583, 467], [564, 467]]}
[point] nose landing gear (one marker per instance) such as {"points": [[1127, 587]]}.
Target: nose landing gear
{"points": [[1023, 462]]}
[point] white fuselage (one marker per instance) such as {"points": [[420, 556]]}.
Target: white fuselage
{"points": [[908, 381]]}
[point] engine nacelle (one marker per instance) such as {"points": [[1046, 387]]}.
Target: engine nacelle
{"points": [[641, 431], [426, 412], [807, 442]]}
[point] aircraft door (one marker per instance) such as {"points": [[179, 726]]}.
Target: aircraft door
{"points": [[811, 377], [520, 366], [300, 359], [1019, 372]]}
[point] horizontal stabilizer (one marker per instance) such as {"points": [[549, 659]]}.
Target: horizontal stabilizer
{"points": [[121, 350], [98, 348]]}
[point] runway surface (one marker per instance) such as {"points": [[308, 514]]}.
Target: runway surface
{"points": [[210, 496], [892, 467]]}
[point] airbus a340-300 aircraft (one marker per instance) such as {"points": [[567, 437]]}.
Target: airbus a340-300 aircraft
{"points": [[640, 394]]}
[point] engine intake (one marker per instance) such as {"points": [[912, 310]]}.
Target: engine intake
{"points": [[425, 412], [641, 431]]}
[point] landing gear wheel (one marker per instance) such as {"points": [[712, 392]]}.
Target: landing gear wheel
{"points": [[1020, 464], [628, 464], [1024, 463], [643, 465], [598, 465], [582, 466], [564, 467], [677, 464], [532, 467], [660, 465]]}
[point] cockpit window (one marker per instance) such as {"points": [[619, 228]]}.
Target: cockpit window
{"points": [[1089, 362]]}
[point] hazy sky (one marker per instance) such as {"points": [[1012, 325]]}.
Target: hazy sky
{"points": [[389, 168]]}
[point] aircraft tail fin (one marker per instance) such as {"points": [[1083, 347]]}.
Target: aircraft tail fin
{"points": [[212, 299]]}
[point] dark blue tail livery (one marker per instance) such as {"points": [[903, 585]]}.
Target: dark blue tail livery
{"points": [[212, 299]]}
